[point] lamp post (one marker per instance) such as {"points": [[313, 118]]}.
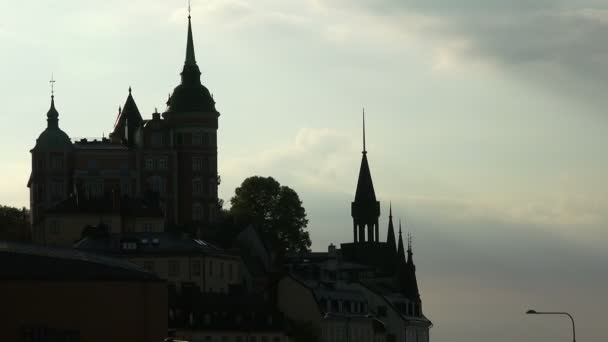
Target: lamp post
{"points": [[534, 312]]}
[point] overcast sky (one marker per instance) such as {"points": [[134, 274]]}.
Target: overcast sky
{"points": [[486, 128]]}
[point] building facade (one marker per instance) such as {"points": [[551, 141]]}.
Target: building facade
{"points": [[170, 158]]}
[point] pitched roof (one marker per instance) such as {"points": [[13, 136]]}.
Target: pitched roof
{"points": [[365, 187], [149, 243], [31, 262]]}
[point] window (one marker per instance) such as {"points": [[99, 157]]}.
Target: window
{"points": [[278, 339], [148, 227], [149, 164], [125, 188], [196, 268], [157, 184], [129, 245], [197, 187], [162, 163], [197, 138], [224, 338], [264, 338], [56, 189], [95, 188], [334, 305], [197, 164], [57, 163], [149, 265], [197, 212], [205, 138], [173, 268]]}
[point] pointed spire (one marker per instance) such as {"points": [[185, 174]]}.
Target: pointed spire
{"points": [[410, 254], [400, 249], [364, 148], [190, 59], [390, 238], [128, 121]]}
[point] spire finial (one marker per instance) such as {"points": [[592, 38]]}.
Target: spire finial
{"points": [[390, 209], [364, 149], [52, 82], [129, 90], [190, 59], [400, 227], [409, 241]]}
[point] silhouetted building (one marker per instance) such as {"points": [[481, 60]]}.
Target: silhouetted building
{"points": [[170, 158], [65, 295], [366, 281]]}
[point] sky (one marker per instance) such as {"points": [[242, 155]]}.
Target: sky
{"points": [[485, 128]]}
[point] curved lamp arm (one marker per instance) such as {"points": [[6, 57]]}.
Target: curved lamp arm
{"points": [[534, 312]]}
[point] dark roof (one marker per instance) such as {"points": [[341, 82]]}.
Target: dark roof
{"points": [[190, 95], [53, 138], [31, 262], [125, 206], [148, 243], [129, 116], [365, 187]]}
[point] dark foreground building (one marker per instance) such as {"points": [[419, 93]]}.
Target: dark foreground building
{"points": [[70, 296]]}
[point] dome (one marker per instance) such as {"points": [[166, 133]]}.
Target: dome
{"points": [[191, 98], [53, 139]]}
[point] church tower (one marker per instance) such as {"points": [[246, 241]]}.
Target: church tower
{"points": [[192, 123], [49, 181], [365, 210]]}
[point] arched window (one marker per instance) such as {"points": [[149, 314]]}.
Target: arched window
{"points": [[197, 186]]}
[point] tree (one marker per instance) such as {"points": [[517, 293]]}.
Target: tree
{"points": [[14, 224], [275, 210]]}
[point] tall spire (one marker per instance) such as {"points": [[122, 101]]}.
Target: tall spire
{"points": [[390, 238], [400, 249], [190, 95], [410, 254], [364, 149], [365, 209], [190, 60]]}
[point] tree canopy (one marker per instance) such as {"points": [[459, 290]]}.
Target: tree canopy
{"points": [[274, 209], [14, 223]]}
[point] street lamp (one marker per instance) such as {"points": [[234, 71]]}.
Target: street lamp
{"points": [[534, 312]]}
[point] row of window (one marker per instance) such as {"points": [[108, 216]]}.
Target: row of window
{"points": [[198, 164], [199, 214], [161, 163], [197, 139], [237, 339], [224, 270], [344, 306], [56, 163]]}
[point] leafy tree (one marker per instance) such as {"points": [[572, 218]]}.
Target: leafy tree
{"points": [[14, 224], [275, 210]]}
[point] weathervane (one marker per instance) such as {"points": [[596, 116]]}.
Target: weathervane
{"points": [[52, 82]]}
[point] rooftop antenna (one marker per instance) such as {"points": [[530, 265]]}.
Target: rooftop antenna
{"points": [[364, 149], [52, 82]]}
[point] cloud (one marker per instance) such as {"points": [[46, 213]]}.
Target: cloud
{"points": [[315, 158]]}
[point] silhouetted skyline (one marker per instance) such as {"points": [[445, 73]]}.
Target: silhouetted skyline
{"points": [[485, 128]]}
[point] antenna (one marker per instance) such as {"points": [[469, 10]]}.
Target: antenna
{"points": [[52, 82], [364, 149]]}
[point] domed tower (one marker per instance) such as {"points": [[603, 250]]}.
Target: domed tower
{"points": [[192, 121], [50, 177]]}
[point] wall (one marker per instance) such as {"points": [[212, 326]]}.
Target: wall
{"points": [[95, 311]]}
